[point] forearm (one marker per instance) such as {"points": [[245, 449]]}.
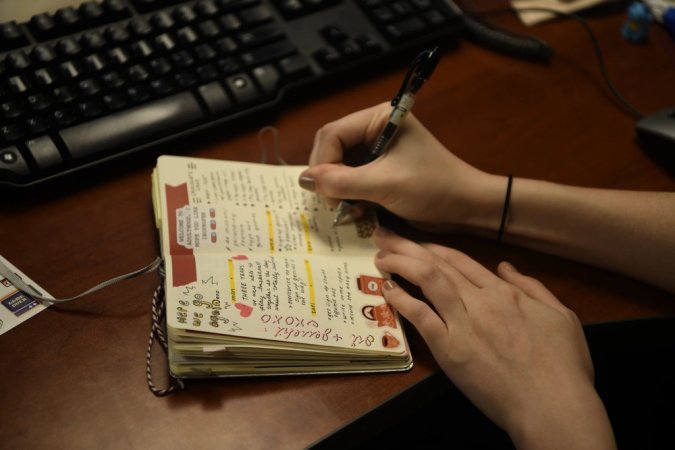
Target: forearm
{"points": [[628, 232]]}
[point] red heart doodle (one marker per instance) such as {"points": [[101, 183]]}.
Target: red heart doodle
{"points": [[244, 310]]}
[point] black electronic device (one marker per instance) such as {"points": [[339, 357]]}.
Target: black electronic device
{"points": [[657, 130], [111, 78]]}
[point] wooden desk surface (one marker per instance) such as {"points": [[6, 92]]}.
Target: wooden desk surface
{"points": [[74, 375]]}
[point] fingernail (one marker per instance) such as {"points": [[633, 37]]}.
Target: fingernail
{"points": [[307, 183], [389, 285], [508, 266]]}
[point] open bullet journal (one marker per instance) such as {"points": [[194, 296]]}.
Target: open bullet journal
{"points": [[259, 282]]}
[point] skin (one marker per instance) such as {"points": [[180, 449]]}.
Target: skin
{"points": [[579, 223], [504, 339]]}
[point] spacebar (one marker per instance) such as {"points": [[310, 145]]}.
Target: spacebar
{"points": [[133, 126]]}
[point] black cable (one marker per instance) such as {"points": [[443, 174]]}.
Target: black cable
{"points": [[596, 44]]}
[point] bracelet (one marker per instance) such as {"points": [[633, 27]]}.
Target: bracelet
{"points": [[505, 208]]}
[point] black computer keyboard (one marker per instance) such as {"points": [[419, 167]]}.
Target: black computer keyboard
{"points": [[89, 84]]}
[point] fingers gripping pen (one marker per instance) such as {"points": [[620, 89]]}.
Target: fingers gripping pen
{"points": [[418, 73]]}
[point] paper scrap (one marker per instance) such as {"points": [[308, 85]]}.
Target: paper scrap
{"points": [[530, 18], [15, 306]]}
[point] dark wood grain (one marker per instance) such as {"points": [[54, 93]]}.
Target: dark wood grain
{"points": [[74, 375]]}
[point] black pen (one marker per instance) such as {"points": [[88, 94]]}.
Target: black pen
{"points": [[418, 73]]}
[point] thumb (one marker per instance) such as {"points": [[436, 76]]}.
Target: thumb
{"points": [[338, 181]]}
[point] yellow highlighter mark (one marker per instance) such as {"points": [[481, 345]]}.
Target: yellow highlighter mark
{"points": [[233, 292], [270, 230], [310, 282], [305, 232]]}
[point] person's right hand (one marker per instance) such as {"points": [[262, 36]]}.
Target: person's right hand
{"points": [[418, 179]]}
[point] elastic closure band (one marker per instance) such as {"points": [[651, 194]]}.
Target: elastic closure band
{"points": [[505, 208]]}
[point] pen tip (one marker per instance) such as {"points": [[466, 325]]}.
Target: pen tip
{"points": [[336, 220]]}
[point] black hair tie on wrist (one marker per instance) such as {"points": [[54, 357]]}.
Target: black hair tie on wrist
{"points": [[505, 208]]}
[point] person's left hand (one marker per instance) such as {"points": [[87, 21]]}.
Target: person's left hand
{"points": [[504, 340]]}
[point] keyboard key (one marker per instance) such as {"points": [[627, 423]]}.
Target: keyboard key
{"points": [[113, 80], [70, 70], [18, 84], [11, 36], [243, 88], [206, 8], [141, 49], [139, 27], [260, 35], [118, 56], [13, 162], [115, 101], [39, 101], [37, 125], [230, 22], [89, 109], [92, 12], [117, 34], [187, 36], [207, 72], [44, 152], [268, 53], [92, 40], [162, 21], [64, 117], [68, 47], [215, 97], [65, 94], [186, 79], [134, 126], [255, 15], [267, 77], [138, 72], [405, 28], [43, 54], [45, 77], [184, 14], [94, 63], [89, 87], [12, 132], [160, 66], [12, 109], [208, 29], [205, 52], [294, 67], [115, 9], [228, 65], [68, 19], [18, 61], [163, 86], [327, 57], [164, 43], [138, 94], [42, 25]]}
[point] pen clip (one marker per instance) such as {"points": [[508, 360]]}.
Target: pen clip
{"points": [[421, 67]]}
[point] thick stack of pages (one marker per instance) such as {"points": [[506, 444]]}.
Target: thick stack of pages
{"points": [[259, 282]]}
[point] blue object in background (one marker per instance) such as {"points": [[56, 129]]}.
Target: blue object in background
{"points": [[669, 21], [636, 27]]}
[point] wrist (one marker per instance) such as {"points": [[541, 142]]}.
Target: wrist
{"points": [[485, 206], [572, 420]]}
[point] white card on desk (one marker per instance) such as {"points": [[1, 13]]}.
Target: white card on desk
{"points": [[15, 306]]}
